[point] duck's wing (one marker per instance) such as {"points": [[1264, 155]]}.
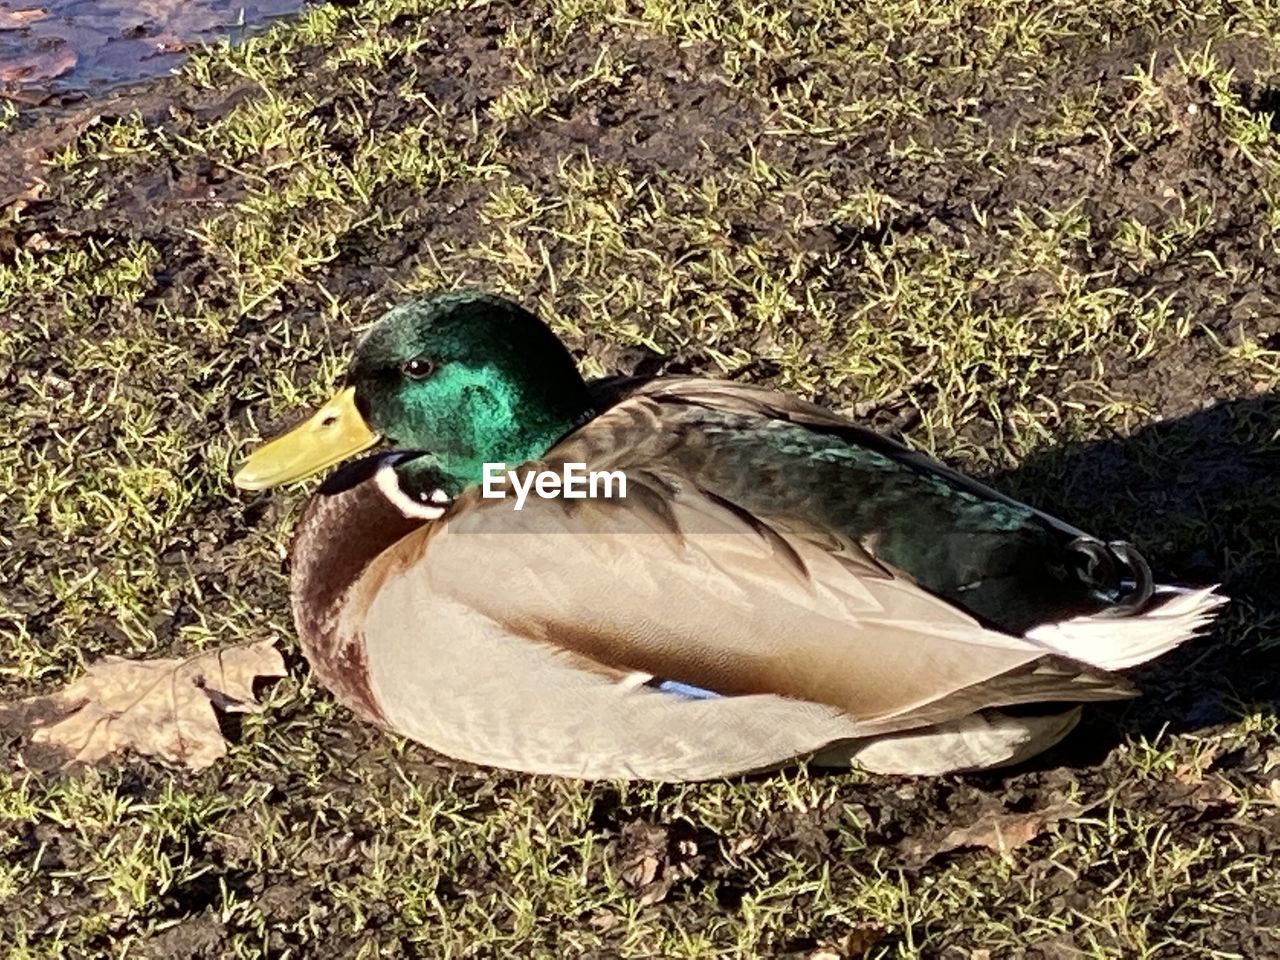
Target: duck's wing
{"points": [[793, 463], [1014, 567]]}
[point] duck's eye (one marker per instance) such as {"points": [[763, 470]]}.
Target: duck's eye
{"points": [[419, 368]]}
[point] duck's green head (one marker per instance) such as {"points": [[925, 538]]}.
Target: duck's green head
{"points": [[469, 378]]}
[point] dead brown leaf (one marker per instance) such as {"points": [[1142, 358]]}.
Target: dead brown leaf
{"points": [[656, 892], [162, 708], [604, 922], [1192, 771], [17, 19], [653, 858], [1001, 832], [642, 872], [1213, 792], [856, 943], [1271, 761], [39, 66], [22, 160]]}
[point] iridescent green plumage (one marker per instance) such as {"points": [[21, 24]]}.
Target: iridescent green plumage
{"points": [[500, 386]]}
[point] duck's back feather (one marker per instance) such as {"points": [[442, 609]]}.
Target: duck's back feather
{"points": [[787, 461]]}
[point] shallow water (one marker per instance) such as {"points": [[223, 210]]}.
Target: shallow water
{"points": [[86, 45]]}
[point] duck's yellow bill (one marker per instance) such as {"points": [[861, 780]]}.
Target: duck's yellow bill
{"points": [[335, 432]]}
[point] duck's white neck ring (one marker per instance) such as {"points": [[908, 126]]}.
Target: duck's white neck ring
{"points": [[427, 505]]}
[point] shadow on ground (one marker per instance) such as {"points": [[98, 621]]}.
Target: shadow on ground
{"points": [[1200, 495]]}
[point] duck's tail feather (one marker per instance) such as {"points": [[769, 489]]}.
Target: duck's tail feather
{"points": [[1172, 616]]}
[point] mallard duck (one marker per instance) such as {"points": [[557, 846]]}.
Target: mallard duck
{"points": [[776, 583]]}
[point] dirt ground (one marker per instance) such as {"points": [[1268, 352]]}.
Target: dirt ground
{"points": [[1036, 239]]}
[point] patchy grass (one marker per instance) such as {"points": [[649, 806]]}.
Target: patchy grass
{"points": [[1038, 240]]}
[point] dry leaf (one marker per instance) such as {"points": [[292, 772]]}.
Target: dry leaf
{"points": [[859, 941], [1192, 771], [38, 66], [17, 19], [27, 151], [162, 708], [856, 943], [654, 858], [642, 872], [1213, 792], [1001, 832], [656, 892], [1271, 761]]}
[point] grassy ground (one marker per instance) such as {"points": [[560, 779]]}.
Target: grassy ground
{"points": [[1036, 238]]}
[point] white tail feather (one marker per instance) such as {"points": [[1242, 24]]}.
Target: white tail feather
{"points": [[1175, 614]]}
